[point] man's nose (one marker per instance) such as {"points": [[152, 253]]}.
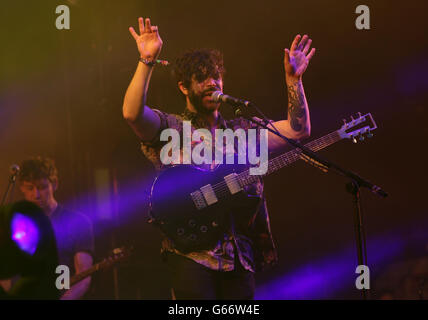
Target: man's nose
{"points": [[37, 193], [213, 82]]}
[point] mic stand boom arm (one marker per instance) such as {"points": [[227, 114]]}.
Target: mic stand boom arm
{"points": [[10, 186]]}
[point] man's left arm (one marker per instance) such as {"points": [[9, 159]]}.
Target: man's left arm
{"points": [[82, 262], [298, 125]]}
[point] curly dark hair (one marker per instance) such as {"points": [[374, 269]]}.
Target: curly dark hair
{"points": [[202, 63], [38, 168]]}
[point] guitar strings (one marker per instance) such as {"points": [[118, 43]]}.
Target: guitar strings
{"points": [[222, 190], [292, 156], [279, 162]]}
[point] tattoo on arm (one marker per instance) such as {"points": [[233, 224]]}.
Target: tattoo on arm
{"points": [[296, 107]]}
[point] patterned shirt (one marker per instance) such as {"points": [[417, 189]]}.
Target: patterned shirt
{"points": [[250, 236]]}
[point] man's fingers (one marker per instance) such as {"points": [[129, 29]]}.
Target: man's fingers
{"points": [[308, 45], [148, 25], [141, 25], [303, 42], [294, 44], [311, 54], [286, 56], [154, 28], [133, 33]]}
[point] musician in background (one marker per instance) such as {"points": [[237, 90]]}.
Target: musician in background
{"points": [[38, 180], [225, 271]]}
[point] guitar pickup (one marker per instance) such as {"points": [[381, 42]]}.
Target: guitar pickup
{"points": [[209, 194], [232, 183]]}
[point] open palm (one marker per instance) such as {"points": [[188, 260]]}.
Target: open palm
{"points": [[148, 41], [296, 59]]}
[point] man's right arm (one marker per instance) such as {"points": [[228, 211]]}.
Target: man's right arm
{"points": [[143, 120]]}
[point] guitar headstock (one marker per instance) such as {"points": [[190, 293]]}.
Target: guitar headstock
{"points": [[360, 127]]}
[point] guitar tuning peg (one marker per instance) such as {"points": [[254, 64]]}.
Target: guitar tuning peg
{"points": [[359, 115], [344, 122], [361, 138], [354, 140], [369, 135]]}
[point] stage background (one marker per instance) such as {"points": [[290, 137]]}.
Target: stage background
{"points": [[61, 94]]}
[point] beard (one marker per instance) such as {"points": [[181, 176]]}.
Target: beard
{"points": [[197, 101]]}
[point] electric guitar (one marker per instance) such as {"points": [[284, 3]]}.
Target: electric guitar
{"points": [[118, 255], [190, 204]]}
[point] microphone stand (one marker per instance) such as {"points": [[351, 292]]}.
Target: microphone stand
{"points": [[10, 186], [353, 187]]}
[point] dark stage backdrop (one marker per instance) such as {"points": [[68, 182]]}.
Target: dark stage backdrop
{"points": [[61, 94]]}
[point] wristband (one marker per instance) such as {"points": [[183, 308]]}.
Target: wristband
{"points": [[152, 63]]}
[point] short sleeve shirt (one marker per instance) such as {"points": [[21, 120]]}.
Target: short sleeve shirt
{"points": [[73, 233], [251, 239]]}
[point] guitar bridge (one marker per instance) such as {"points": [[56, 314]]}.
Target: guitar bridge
{"points": [[198, 200]]}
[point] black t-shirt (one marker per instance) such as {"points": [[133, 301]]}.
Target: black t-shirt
{"points": [[73, 233]]}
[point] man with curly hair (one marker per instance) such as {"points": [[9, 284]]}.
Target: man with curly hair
{"points": [[38, 180], [226, 270]]}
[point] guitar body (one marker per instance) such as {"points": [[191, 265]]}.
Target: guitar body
{"points": [[176, 214]]}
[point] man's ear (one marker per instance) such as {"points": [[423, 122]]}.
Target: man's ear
{"points": [[55, 184], [182, 88]]}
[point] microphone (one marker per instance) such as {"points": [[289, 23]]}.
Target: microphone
{"points": [[14, 169], [219, 96]]}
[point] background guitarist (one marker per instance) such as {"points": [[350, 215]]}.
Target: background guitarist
{"points": [[73, 231], [225, 271]]}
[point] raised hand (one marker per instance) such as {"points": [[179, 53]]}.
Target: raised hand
{"points": [[149, 42], [296, 59]]}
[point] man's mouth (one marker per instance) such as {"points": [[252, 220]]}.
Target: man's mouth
{"points": [[209, 93]]}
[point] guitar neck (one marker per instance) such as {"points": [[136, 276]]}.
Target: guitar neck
{"points": [[82, 275], [289, 157]]}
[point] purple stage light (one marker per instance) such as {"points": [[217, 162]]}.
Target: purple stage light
{"points": [[323, 278], [25, 233]]}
